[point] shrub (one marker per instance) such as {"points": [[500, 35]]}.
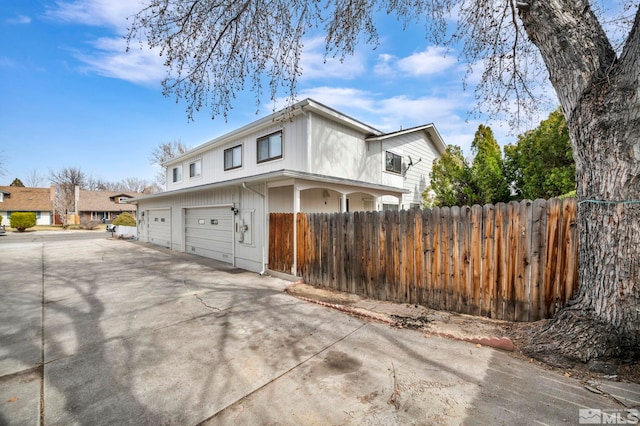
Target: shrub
{"points": [[0, 220], [125, 219], [22, 220], [89, 224]]}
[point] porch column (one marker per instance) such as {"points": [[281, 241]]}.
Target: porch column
{"points": [[343, 205], [296, 210]]}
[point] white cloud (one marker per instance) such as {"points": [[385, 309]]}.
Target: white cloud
{"points": [[19, 20], [112, 13], [315, 65], [110, 59], [385, 63], [433, 60]]}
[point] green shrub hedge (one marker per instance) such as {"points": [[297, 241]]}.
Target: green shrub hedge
{"points": [[22, 220], [125, 219]]}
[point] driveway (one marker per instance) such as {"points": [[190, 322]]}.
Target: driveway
{"points": [[114, 332]]}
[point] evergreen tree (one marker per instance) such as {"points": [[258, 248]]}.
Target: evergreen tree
{"points": [[540, 164], [487, 169], [17, 182], [452, 180]]}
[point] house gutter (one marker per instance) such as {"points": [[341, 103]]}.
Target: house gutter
{"points": [[264, 227]]}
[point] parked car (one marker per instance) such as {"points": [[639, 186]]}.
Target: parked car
{"points": [[3, 231]]}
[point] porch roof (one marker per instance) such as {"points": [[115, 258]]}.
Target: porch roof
{"points": [[278, 176]]}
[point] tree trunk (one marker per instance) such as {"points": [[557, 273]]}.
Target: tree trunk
{"points": [[600, 96]]}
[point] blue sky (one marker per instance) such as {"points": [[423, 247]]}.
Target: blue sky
{"points": [[72, 97]]}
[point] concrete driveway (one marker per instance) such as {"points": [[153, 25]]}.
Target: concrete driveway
{"points": [[114, 332]]}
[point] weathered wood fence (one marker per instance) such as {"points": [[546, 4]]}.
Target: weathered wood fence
{"points": [[515, 261]]}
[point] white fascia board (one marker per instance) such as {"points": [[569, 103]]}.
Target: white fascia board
{"points": [[328, 112], [430, 129]]}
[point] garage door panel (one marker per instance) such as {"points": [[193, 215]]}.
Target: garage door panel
{"points": [[209, 232], [159, 227], [205, 243]]}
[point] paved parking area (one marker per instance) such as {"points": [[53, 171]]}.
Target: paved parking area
{"points": [[106, 332]]}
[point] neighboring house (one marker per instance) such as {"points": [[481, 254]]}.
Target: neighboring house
{"points": [[20, 199], [307, 158], [103, 206]]}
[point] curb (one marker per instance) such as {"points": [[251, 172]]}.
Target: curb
{"points": [[502, 343]]}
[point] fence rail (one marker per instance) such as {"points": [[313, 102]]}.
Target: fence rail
{"points": [[515, 261]]}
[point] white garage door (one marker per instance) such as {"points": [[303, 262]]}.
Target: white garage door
{"points": [[159, 229], [209, 232]]}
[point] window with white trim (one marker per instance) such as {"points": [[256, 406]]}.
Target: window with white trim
{"points": [[270, 147], [393, 162], [195, 169], [176, 174], [233, 157]]}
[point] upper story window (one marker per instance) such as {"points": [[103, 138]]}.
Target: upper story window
{"points": [[393, 162], [176, 173], [195, 169], [270, 147], [1, 197], [233, 157]]}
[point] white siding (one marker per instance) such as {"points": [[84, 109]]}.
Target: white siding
{"points": [[281, 199], [417, 177], [44, 219], [248, 254], [340, 151], [294, 154]]}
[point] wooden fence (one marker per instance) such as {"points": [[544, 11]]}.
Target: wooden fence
{"points": [[515, 261]]}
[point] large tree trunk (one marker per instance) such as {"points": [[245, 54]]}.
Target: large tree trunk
{"points": [[600, 96]]}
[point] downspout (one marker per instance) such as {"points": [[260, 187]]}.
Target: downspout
{"points": [[264, 227]]}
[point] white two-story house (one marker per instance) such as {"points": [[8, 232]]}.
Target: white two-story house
{"points": [[307, 158]]}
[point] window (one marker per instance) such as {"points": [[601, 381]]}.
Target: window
{"points": [[270, 147], [392, 207], [233, 157], [393, 163], [177, 174], [195, 169]]}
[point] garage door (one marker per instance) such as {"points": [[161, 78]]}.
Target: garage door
{"points": [[159, 229], [209, 232]]}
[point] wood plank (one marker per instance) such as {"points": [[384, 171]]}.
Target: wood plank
{"points": [[569, 276], [500, 243], [418, 258], [427, 259], [445, 263], [380, 279], [523, 293], [465, 260], [488, 267], [553, 219], [454, 261], [475, 277], [437, 289], [537, 210]]}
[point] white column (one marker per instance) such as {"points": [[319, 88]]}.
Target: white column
{"points": [[343, 205]]}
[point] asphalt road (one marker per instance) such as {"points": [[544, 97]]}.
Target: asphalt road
{"points": [[103, 332]]}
